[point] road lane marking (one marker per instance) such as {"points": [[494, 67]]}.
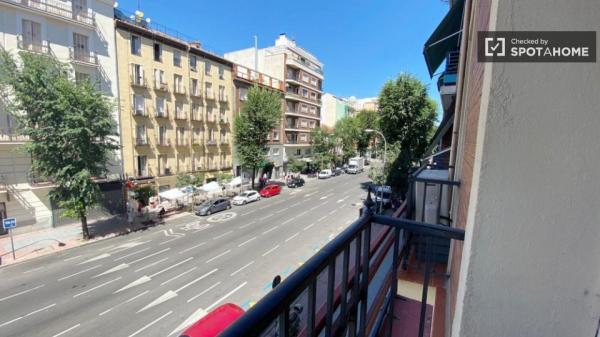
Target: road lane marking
{"points": [[287, 221], [81, 272], [244, 267], [69, 329], [137, 282], [150, 324], [218, 256], [11, 321], [99, 257], [163, 298], [342, 200], [149, 256], [245, 242], [29, 314], [196, 280], [130, 254], [269, 230], [21, 293], [268, 216], [309, 226], [248, 224], [129, 300], [301, 214], [267, 206], [72, 258], [222, 235], [178, 276], [270, 250], [98, 286], [34, 269], [192, 247], [151, 264], [322, 218], [312, 209], [282, 210], [112, 270], [210, 307], [291, 237], [204, 292], [173, 239], [335, 210], [194, 317], [171, 267]]}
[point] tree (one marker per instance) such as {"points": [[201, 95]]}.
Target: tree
{"points": [[407, 115], [183, 179], [295, 165], [142, 194], [366, 119], [260, 114], [71, 132], [346, 135], [320, 139]]}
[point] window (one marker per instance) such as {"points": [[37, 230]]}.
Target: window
{"points": [[181, 135], [137, 74], [162, 135], [162, 164], [157, 52], [222, 96], [275, 135], [136, 45], [81, 77], [81, 51], [211, 134], [160, 107], [195, 111], [221, 72], [307, 151], [178, 83], [159, 78], [304, 92], [181, 163], [194, 88], [298, 152], [312, 124], [303, 137], [207, 68], [179, 114], [304, 108], [141, 166], [275, 151], [305, 78], [208, 87], [196, 135], [32, 35], [193, 62], [177, 58], [140, 134], [138, 105], [243, 94]]}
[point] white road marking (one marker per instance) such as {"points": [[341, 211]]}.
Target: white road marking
{"points": [[268, 216], [192, 247], [129, 300], [34, 269], [222, 235], [98, 286], [150, 324], [69, 329], [171, 267], [210, 307], [198, 314], [218, 256], [323, 198], [270, 250], [321, 218], [287, 221], [342, 200], [137, 282], [282, 210], [112, 270], [248, 224], [151, 264], [245, 242], [81, 272], [128, 255], [72, 258], [301, 214], [163, 298], [29, 314], [196, 280], [178, 276], [11, 321], [99, 257], [309, 226], [21, 293], [173, 239], [204, 292], [244, 267], [312, 209], [291, 237], [335, 210], [149, 256], [269, 230]]}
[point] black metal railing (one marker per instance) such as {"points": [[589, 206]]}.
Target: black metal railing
{"points": [[345, 289]]}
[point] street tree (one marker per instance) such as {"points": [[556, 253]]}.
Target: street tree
{"points": [[321, 140], [366, 119], [346, 134], [407, 116], [69, 125], [259, 115]]}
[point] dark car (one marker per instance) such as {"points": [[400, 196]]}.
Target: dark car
{"points": [[338, 171], [213, 206], [295, 182]]}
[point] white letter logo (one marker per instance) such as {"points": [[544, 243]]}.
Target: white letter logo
{"points": [[495, 46]]}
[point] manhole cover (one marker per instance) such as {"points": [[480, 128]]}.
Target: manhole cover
{"points": [[222, 217]]}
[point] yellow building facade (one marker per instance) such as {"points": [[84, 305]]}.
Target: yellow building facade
{"points": [[175, 106]]}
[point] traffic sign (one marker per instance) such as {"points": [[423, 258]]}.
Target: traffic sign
{"points": [[9, 223]]}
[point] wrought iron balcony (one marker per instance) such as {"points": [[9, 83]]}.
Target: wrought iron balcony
{"points": [[141, 141], [41, 47], [58, 9], [162, 86], [211, 142], [84, 57], [11, 135]]}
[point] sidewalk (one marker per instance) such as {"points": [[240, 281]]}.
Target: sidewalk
{"points": [[45, 241]]}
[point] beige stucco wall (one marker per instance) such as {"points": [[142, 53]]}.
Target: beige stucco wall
{"points": [[531, 258]]}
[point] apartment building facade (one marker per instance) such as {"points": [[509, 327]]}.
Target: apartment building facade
{"points": [[333, 109], [79, 33], [243, 79], [176, 106], [303, 76]]}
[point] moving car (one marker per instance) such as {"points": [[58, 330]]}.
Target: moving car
{"points": [[383, 194], [245, 197], [213, 206], [270, 190], [214, 322], [324, 174], [295, 182]]}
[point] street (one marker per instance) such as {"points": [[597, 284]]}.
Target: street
{"points": [[158, 281]]}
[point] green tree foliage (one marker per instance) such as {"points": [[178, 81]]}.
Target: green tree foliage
{"points": [[295, 165], [224, 176], [407, 116], [346, 135], [142, 194], [366, 119], [70, 128], [260, 114], [320, 139], [183, 179]]}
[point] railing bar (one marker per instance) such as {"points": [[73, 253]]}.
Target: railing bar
{"points": [[416, 227], [356, 286], [394, 288], [330, 291], [310, 324], [439, 208], [423, 203], [437, 181], [283, 321], [428, 259], [344, 299], [364, 294]]}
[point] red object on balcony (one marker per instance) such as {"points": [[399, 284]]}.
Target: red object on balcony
{"points": [[215, 322]]}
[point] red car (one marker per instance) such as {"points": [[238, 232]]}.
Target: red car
{"points": [[215, 322], [270, 190]]}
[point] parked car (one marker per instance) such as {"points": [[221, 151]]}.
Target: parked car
{"points": [[383, 194], [245, 197], [338, 171], [214, 322], [295, 182], [213, 206], [270, 190], [324, 174]]}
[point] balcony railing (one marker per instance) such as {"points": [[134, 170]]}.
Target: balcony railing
{"points": [[179, 89], [224, 141], [195, 92], [83, 57], [164, 141], [248, 74], [11, 135], [196, 116], [348, 287], [223, 98], [298, 61], [448, 77], [58, 8], [164, 113], [210, 95], [223, 119], [295, 95], [139, 111], [304, 114], [181, 142], [162, 86], [41, 47], [211, 142], [141, 141], [181, 115], [138, 81]]}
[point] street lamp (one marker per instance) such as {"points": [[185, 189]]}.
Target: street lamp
{"points": [[384, 156]]}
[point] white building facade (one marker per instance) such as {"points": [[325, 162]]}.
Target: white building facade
{"points": [[78, 32]]}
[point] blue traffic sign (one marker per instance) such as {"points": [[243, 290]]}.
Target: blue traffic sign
{"points": [[9, 223]]}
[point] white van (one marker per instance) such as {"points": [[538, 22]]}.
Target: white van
{"points": [[324, 174]]}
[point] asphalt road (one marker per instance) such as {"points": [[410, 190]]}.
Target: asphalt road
{"points": [[156, 282]]}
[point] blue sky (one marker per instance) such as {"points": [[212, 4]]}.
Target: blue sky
{"points": [[361, 43]]}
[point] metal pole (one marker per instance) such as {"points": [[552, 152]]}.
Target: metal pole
{"points": [[12, 243]]}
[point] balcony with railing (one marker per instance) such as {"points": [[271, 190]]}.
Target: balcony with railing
{"points": [[223, 119], [161, 86], [211, 117], [138, 80], [41, 47], [162, 113], [196, 116], [141, 140], [252, 76], [224, 141], [195, 92], [12, 135], [163, 141], [180, 115], [294, 94], [181, 141], [211, 142], [140, 111], [58, 9], [179, 89], [83, 57], [209, 94], [223, 98], [297, 61]]}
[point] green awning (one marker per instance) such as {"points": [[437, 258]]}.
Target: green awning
{"points": [[445, 38]]}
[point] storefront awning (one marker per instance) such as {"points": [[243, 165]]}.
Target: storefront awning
{"points": [[445, 38]]}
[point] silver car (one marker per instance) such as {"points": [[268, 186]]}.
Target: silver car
{"points": [[213, 206], [246, 197]]}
